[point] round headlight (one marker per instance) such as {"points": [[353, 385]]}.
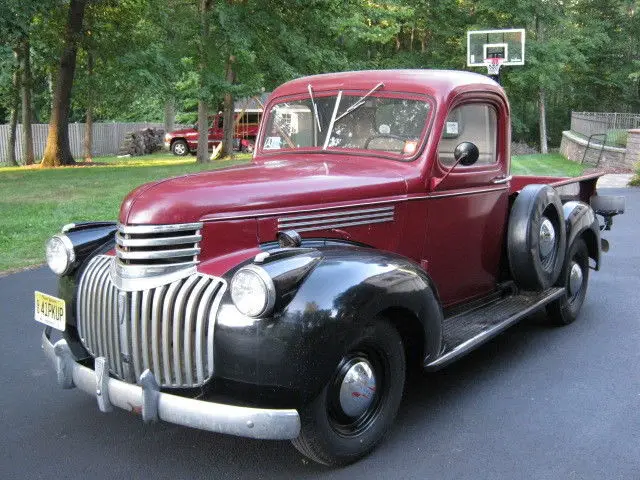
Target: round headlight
{"points": [[60, 254], [252, 291]]}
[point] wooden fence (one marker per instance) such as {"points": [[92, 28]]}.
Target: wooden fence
{"points": [[107, 138]]}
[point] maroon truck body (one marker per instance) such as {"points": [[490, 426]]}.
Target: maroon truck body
{"points": [[376, 228], [247, 201]]}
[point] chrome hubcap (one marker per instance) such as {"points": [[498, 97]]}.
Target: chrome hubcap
{"points": [[179, 149], [547, 238], [575, 279], [358, 389]]}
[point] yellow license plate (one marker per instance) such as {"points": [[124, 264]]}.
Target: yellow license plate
{"points": [[50, 311]]}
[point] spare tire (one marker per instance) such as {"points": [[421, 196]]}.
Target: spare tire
{"points": [[536, 239]]}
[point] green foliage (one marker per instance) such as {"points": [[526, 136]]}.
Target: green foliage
{"points": [[635, 181], [584, 52]]}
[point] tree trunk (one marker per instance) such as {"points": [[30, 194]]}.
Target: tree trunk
{"points": [[227, 112], [57, 150], [543, 122], [170, 115], [15, 108], [88, 124], [25, 68], [203, 111], [413, 32], [542, 98]]}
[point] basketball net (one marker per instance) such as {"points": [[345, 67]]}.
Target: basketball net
{"points": [[493, 65]]}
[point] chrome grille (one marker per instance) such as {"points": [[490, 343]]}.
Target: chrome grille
{"points": [[158, 244], [168, 329], [155, 254]]}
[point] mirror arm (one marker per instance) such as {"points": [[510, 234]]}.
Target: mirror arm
{"points": [[438, 181]]}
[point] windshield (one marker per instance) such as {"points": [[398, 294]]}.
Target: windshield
{"points": [[393, 127]]}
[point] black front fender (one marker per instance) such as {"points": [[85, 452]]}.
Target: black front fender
{"points": [[300, 345]]}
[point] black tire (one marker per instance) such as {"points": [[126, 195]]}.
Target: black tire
{"points": [[180, 148], [536, 238], [331, 436], [565, 310]]}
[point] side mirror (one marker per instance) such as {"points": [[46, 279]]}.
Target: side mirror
{"points": [[466, 154]]}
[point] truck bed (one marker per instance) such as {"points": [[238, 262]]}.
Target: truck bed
{"points": [[570, 188]]}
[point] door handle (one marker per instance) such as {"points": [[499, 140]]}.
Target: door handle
{"points": [[500, 180]]}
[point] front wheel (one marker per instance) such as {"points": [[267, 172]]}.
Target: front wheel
{"points": [[574, 278], [180, 148], [357, 406]]}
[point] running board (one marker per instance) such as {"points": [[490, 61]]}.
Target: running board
{"points": [[463, 333]]}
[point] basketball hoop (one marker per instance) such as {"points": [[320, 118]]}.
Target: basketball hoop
{"points": [[493, 65]]}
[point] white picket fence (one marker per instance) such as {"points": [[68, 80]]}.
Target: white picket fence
{"points": [[107, 138]]}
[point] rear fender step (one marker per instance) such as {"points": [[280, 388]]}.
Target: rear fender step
{"points": [[463, 333]]}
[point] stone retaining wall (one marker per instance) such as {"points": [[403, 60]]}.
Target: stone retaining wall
{"points": [[573, 147], [633, 147]]}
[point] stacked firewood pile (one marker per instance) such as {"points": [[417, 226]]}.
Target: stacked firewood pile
{"points": [[142, 142]]}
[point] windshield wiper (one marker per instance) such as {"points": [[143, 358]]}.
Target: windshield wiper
{"points": [[333, 120], [360, 101], [315, 107]]}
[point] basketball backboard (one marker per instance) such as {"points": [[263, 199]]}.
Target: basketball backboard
{"points": [[485, 44]]}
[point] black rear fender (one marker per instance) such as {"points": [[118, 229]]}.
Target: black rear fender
{"points": [[581, 221]]}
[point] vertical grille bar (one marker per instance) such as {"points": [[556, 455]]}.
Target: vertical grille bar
{"points": [[94, 334], [156, 333], [168, 329], [114, 354], [201, 331], [178, 327], [89, 300], [190, 313], [145, 319], [167, 319], [104, 320], [135, 333]]}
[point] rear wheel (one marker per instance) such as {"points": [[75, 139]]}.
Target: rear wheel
{"points": [[358, 405], [180, 148], [574, 278]]}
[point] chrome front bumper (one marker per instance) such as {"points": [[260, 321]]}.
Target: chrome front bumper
{"points": [[147, 400]]}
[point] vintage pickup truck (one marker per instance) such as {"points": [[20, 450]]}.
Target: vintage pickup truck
{"points": [[184, 141], [376, 229]]}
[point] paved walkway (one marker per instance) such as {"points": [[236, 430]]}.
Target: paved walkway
{"points": [[614, 180]]}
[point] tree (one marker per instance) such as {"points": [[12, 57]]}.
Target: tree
{"points": [[25, 89], [204, 12], [16, 19], [57, 150]]}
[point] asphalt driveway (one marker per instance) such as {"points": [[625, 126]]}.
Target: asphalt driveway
{"points": [[537, 402]]}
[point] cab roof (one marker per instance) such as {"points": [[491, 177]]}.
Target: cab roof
{"points": [[438, 83]]}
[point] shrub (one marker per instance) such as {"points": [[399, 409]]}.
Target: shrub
{"points": [[635, 181], [617, 138]]}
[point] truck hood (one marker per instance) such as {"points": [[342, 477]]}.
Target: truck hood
{"points": [[260, 188], [182, 132]]}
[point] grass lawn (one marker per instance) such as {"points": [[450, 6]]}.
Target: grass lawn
{"points": [[552, 164], [35, 203]]}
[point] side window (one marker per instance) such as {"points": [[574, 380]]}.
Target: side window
{"points": [[473, 122], [220, 121]]}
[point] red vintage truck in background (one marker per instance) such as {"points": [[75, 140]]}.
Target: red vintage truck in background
{"points": [[185, 141], [377, 229]]}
